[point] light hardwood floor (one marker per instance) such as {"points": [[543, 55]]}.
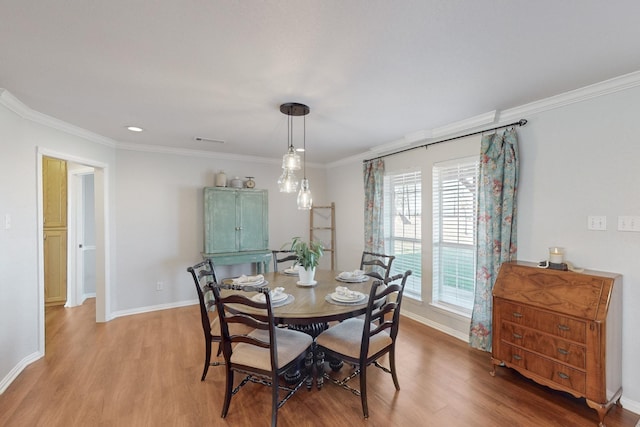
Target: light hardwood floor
{"points": [[144, 370]]}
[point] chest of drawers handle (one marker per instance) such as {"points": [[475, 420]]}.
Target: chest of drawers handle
{"points": [[563, 327], [516, 357], [563, 375], [517, 336], [563, 351], [516, 314]]}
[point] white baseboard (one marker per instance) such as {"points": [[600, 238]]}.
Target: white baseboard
{"points": [[87, 296], [151, 308], [13, 374], [447, 330], [631, 405]]}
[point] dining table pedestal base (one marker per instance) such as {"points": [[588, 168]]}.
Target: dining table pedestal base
{"points": [[313, 329]]}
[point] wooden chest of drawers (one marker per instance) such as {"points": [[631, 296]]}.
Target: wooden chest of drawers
{"points": [[561, 329]]}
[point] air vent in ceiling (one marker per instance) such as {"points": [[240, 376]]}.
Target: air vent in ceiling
{"points": [[203, 139]]}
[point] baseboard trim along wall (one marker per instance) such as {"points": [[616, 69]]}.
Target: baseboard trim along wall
{"points": [[13, 374], [150, 308]]}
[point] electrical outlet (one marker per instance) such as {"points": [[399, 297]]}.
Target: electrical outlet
{"points": [[159, 285], [596, 222]]}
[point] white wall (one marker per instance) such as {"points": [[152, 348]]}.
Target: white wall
{"points": [[577, 160], [160, 224], [22, 138]]}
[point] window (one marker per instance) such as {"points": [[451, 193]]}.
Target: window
{"points": [[455, 191], [403, 227]]}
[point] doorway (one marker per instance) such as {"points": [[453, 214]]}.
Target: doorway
{"points": [[101, 242], [81, 282]]}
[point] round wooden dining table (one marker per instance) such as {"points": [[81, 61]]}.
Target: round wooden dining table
{"points": [[310, 305], [310, 311]]}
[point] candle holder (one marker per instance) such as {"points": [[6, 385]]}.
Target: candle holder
{"points": [[556, 258]]}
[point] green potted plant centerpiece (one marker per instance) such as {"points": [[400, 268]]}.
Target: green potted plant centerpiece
{"points": [[308, 256]]}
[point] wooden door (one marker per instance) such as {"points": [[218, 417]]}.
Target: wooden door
{"points": [[55, 267], [54, 189], [220, 220], [252, 220], [54, 185]]}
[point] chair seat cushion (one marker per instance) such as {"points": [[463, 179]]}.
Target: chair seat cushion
{"points": [[346, 338], [291, 344]]}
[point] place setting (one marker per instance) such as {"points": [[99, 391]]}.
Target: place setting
{"points": [[290, 271], [355, 276], [345, 296], [278, 297], [245, 280]]}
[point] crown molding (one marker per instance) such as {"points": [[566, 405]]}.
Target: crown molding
{"points": [[499, 118], [606, 87], [18, 107], [162, 149], [465, 125]]}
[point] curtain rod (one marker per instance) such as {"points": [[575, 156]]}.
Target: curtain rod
{"points": [[520, 122]]}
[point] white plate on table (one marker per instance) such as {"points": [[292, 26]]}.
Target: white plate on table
{"points": [[306, 285], [357, 297], [261, 282], [277, 298], [355, 279], [290, 271]]}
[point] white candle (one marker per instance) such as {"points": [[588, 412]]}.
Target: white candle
{"points": [[555, 255]]}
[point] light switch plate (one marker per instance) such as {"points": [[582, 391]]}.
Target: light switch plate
{"points": [[597, 222], [629, 223]]}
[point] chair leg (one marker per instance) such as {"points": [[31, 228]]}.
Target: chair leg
{"points": [[228, 392], [207, 359], [392, 365], [274, 401], [363, 390]]}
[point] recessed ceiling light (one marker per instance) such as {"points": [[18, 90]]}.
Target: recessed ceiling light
{"points": [[135, 128]]}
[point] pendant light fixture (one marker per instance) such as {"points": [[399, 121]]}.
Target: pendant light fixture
{"points": [[288, 182], [305, 200]]}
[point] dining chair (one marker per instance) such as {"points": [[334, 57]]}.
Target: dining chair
{"points": [[361, 342], [265, 353], [282, 256], [203, 273], [376, 265]]}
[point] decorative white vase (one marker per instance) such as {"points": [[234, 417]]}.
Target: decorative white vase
{"points": [[306, 275]]}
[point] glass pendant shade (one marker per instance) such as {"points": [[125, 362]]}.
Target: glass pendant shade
{"points": [[304, 196], [288, 182], [291, 160]]}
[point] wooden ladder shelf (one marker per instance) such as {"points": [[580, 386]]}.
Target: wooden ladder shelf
{"points": [[322, 221]]}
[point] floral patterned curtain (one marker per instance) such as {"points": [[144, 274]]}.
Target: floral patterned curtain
{"points": [[373, 205], [496, 238]]}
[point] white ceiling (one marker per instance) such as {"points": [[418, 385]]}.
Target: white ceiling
{"points": [[371, 71]]}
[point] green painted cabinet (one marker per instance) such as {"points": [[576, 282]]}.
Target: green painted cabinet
{"points": [[235, 220]]}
